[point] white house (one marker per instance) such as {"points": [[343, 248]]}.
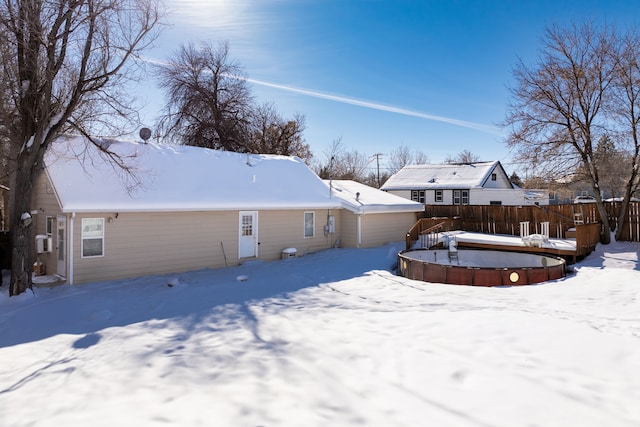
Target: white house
{"points": [[184, 208], [482, 183]]}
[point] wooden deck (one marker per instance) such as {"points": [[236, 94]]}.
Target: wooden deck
{"points": [[565, 248], [429, 232]]}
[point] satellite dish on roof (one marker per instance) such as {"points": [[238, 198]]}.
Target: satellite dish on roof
{"points": [[145, 134]]}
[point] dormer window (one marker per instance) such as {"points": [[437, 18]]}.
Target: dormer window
{"points": [[494, 177]]}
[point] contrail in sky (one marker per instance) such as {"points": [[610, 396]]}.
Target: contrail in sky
{"points": [[367, 104], [376, 106]]}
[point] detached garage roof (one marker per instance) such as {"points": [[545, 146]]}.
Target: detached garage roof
{"points": [[445, 176], [362, 199], [178, 178]]}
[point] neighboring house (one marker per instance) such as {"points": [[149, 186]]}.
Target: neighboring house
{"points": [[184, 208], [482, 183]]}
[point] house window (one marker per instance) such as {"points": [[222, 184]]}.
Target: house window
{"points": [[50, 223], [495, 202], [460, 197], [309, 224], [494, 177], [92, 237], [438, 196], [417, 196]]}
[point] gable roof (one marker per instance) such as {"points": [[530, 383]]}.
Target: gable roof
{"points": [[444, 176], [179, 178], [362, 199]]}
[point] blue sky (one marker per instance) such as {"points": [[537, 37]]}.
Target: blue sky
{"points": [[431, 75]]}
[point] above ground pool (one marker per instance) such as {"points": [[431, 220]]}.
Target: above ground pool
{"points": [[479, 267]]}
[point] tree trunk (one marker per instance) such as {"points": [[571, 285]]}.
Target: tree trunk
{"points": [[20, 261], [605, 234], [21, 233]]}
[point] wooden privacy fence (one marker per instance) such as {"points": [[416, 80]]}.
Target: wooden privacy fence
{"points": [[507, 219]]}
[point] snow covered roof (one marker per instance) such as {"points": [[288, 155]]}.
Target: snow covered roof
{"points": [[445, 176], [363, 199], [179, 178]]}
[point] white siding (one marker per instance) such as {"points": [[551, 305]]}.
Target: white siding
{"points": [[406, 194], [514, 197], [502, 180], [478, 196]]}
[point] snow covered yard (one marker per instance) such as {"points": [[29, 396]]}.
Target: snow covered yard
{"points": [[330, 339]]}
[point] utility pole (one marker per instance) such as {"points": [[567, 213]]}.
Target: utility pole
{"points": [[331, 174], [377, 156]]}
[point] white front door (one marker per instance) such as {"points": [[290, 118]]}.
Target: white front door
{"points": [[61, 246], [248, 244]]}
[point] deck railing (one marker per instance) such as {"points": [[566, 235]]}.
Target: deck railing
{"points": [[425, 226]]}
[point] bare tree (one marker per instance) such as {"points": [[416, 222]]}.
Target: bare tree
{"points": [[342, 164], [209, 101], [403, 156], [559, 108], [420, 158], [625, 107], [463, 157], [271, 134], [63, 66], [613, 167]]}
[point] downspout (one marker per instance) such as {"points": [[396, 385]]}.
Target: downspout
{"points": [[359, 227], [70, 253]]}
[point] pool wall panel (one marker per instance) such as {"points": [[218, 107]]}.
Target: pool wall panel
{"points": [[428, 271]]}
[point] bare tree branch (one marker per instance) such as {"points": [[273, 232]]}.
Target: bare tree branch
{"points": [[64, 63], [559, 109]]}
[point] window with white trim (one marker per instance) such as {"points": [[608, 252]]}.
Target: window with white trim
{"points": [[417, 196], [439, 196], [460, 197], [50, 224], [92, 237], [309, 224]]}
